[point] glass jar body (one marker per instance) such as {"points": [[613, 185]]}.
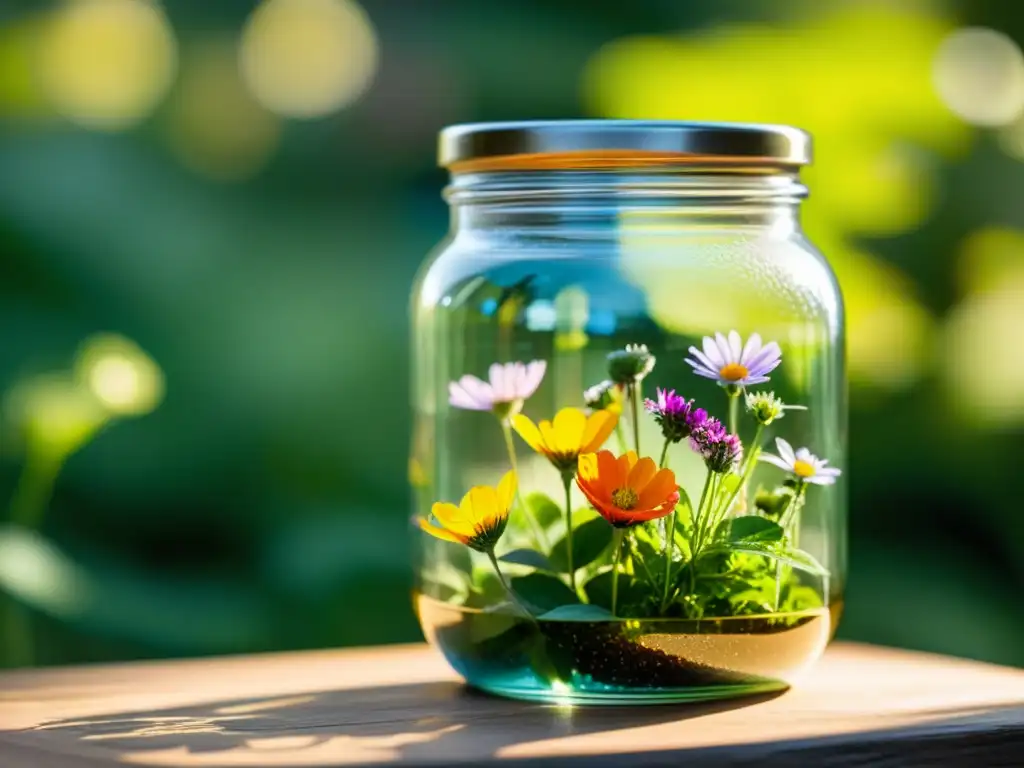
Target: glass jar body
{"points": [[745, 592]]}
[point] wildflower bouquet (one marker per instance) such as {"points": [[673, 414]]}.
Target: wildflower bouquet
{"points": [[644, 547]]}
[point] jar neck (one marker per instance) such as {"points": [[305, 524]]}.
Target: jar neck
{"points": [[589, 202]]}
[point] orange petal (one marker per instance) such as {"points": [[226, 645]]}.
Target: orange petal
{"points": [[643, 515], [528, 431], [660, 488], [641, 474], [441, 533], [569, 426], [597, 430], [612, 475]]}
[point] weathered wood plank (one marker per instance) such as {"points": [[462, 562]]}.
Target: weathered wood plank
{"points": [[862, 706]]}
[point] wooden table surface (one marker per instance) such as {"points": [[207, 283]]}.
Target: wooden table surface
{"points": [[401, 704]]}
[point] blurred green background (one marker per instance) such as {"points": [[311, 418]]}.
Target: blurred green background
{"points": [[211, 215]]}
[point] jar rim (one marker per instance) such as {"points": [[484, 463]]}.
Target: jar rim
{"points": [[597, 144]]}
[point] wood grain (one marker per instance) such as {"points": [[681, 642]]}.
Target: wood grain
{"points": [[861, 706]]}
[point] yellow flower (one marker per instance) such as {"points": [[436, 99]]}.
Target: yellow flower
{"points": [[479, 520], [571, 433]]}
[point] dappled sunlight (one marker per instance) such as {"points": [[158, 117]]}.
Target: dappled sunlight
{"points": [[870, 109], [982, 368], [106, 63], [979, 73], [308, 58], [124, 379], [37, 573], [216, 127]]}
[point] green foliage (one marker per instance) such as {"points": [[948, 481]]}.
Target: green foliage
{"points": [[578, 612], [543, 509], [773, 504], [543, 592], [796, 558], [751, 528], [589, 541], [635, 597], [530, 558]]}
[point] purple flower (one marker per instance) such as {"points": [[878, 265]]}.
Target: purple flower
{"points": [[508, 386], [732, 363], [720, 450], [675, 414]]}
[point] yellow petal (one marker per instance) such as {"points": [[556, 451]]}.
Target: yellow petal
{"points": [[587, 466], [480, 505], [569, 426], [598, 428], [641, 474], [548, 437], [507, 490], [440, 533], [528, 431], [452, 518]]}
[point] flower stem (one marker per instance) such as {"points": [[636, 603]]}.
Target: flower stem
{"points": [[746, 470], [506, 585], [670, 545], [634, 397], [620, 438], [663, 461], [567, 479], [538, 533], [734, 409], [35, 486], [698, 518], [617, 538]]}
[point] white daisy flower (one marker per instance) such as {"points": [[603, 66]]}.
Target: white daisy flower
{"points": [[802, 464], [732, 363], [508, 386]]}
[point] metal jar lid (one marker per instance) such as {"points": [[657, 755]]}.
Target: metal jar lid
{"points": [[554, 144]]}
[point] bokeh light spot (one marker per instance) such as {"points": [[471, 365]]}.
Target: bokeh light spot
{"points": [[217, 128], [308, 58], [979, 75], [105, 64], [122, 377]]}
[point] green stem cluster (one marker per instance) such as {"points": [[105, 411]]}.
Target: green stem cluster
{"points": [[538, 533]]}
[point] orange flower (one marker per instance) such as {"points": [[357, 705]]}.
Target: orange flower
{"points": [[626, 490], [479, 520], [571, 433]]}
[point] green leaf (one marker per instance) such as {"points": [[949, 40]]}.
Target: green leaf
{"points": [[631, 592], [578, 612], [797, 558], [528, 557], [588, 542], [543, 509], [543, 591], [753, 528]]}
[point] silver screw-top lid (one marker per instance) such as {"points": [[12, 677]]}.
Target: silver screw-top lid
{"points": [[554, 144]]}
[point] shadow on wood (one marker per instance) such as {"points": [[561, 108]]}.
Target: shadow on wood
{"points": [[422, 723]]}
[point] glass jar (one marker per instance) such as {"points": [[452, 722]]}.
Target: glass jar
{"points": [[629, 414]]}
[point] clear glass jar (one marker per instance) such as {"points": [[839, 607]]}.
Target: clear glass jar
{"points": [[704, 552]]}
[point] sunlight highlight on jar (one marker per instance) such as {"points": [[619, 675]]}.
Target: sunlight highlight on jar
{"points": [[105, 64], [123, 378], [979, 75], [308, 58]]}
